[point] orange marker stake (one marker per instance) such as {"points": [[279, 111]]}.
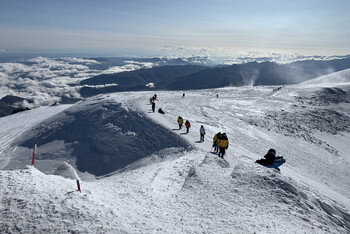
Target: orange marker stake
{"points": [[33, 159]]}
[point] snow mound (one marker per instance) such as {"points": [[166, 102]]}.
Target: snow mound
{"points": [[272, 191], [33, 202], [98, 136], [340, 77]]}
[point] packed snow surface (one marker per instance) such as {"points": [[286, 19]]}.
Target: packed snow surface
{"points": [[141, 174]]}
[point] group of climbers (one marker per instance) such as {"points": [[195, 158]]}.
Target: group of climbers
{"points": [[180, 121], [221, 142]]}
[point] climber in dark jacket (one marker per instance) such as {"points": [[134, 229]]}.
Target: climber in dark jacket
{"points": [[270, 158]]}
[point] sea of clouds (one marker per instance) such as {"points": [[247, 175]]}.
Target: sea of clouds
{"points": [[256, 56], [44, 81]]}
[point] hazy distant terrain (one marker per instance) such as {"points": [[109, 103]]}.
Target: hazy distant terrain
{"points": [[37, 81]]}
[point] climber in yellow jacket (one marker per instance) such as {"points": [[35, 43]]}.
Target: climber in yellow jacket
{"points": [[180, 121], [223, 145], [215, 142]]}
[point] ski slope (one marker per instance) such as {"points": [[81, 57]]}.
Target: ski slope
{"points": [[183, 188]]}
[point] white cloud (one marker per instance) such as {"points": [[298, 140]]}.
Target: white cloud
{"points": [[46, 79], [80, 60], [183, 50], [12, 68], [129, 66], [281, 58], [141, 64], [151, 85], [100, 86], [57, 64]]}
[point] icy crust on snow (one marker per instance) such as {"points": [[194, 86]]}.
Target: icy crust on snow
{"points": [[33, 202], [101, 136], [300, 201], [313, 126], [317, 109], [325, 96], [194, 192], [304, 123]]}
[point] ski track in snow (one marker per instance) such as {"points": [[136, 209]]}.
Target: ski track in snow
{"points": [[193, 191]]}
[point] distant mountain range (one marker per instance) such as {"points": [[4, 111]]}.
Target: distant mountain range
{"points": [[178, 74], [137, 80], [184, 77]]}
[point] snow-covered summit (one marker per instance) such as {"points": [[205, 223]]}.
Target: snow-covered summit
{"points": [[181, 187]]}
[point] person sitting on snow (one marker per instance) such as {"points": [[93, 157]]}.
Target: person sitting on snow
{"points": [[271, 160]]}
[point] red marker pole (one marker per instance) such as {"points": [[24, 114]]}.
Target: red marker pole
{"points": [[78, 184], [33, 159]]}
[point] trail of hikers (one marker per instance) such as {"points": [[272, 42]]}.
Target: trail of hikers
{"points": [[220, 141]]}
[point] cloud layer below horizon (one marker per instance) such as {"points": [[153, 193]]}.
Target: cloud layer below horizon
{"points": [[45, 81]]}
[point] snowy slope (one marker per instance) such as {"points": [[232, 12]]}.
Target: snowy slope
{"points": [[180, 189], [336, 78], [15, 125]]}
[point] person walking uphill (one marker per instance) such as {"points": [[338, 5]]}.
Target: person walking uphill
{"points": [[180, 121], [153, 106], [215, 142], [202, 133], [188, 125], [223, 145]]}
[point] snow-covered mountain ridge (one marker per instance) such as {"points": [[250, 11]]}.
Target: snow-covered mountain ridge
{"points": [[179, 188]]}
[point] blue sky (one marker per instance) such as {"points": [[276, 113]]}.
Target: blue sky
{"points": [[182, 27]]}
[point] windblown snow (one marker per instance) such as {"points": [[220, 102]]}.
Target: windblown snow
{"points": [[140, 174]]}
